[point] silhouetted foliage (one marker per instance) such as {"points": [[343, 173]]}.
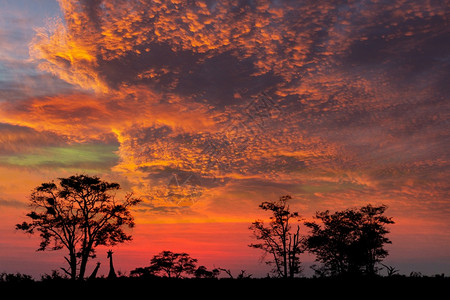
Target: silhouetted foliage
{"points": [[349, 241], [79, 214], [143, 272], [55, 275], [241, 275], [15, 278], [278, 240], [202, 272], [169, 264], [415, 274]]}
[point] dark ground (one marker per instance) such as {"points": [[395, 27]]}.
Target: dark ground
{"points": [[127, 288]]}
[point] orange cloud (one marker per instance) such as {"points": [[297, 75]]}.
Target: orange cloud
{"points": [[70, 58], [82, 117], [78, 50]]}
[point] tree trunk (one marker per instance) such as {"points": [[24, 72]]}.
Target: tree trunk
{"points": [[285, 253], [72, 265], [84, 260], [83, 264]]}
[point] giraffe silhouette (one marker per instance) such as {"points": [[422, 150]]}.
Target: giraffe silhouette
{"points": [[112, 273], [94, 273]]}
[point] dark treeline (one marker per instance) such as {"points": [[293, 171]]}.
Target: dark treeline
{"points": [[400, 287]]}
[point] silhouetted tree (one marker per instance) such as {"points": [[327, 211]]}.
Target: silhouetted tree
{"points": [[349, 241], [202, 272], [78, 214], [277, 238], [142, 272], [173, 265]]}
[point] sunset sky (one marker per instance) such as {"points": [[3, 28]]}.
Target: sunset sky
{"points": [[206, 108]]}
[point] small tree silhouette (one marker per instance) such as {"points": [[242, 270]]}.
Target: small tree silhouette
{"points": [[79, 214], [169, 264]]}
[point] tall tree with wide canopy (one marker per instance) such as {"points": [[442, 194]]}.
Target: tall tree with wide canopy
{"points": [[79, 213], [350, 241]]}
